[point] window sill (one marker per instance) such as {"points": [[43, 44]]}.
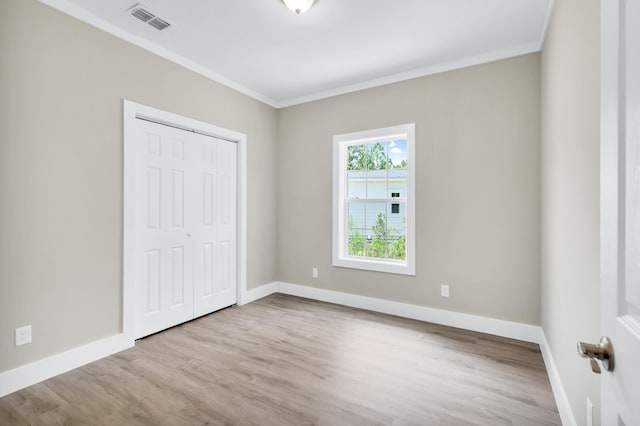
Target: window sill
{"points": [[389, 267]]}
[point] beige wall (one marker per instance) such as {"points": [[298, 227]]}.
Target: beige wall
{"points": [[61, 88], [570, 194], [477, 188]]}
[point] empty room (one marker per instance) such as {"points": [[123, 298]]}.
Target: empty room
{"points": [[327, 212]]}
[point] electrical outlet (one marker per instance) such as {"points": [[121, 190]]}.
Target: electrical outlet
{"points": [[589, 412], [444, 290], [314, 272], [23, 335]]}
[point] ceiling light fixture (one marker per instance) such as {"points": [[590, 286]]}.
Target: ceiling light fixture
{"points": [[299, 6]]}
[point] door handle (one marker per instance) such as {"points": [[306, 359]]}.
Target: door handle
{"points": [[603, 351]]}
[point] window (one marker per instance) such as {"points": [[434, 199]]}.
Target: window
{"points": [[373, 200]]}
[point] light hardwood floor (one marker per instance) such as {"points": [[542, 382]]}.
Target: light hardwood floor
{"points": [[283, 360]]}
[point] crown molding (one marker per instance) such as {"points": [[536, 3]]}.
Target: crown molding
{"points": [[87, 17], [416, 73]]}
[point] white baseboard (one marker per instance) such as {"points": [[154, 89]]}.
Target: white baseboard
{"points": [[258, 293], [566, 414], [30, 374], [513, 330]]}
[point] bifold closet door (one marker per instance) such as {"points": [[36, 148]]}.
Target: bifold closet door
{"points": [[215, 225], [185, 230]]}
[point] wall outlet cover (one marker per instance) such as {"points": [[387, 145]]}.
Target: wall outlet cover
{"points": [[444, 290], [23, 335]]}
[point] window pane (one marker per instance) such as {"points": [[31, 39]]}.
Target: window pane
{"points": [[374, 230], [378, 159], [376, 226], [357, 215], [356, 229], [398, 173], [377, 170], [398, 153], [356, 242], [396, 231], [397, 183], [377, 186], [356, 184], [357, 157], [367, 229]]}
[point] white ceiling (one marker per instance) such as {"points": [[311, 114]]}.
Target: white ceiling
{"points": [[261, 48]]}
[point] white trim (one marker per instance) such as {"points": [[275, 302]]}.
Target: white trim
{"points": [[416, 73], [545, 24], [71, 9], [131, 110], [30, 374], [87, 17], [512, 330], [339, 227], [259, 292], [243, 239], [128, 220], [564, 408]]}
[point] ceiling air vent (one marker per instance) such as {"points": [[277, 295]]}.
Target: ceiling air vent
{"points": [[141, 12], [144, 14], [159, 24]]}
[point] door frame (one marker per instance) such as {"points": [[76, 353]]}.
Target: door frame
{"points": [[612, 164], [132, 111]]}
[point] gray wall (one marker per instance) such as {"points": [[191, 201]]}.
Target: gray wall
{"points": [[477, 188], [570, 194], [62, 83]]}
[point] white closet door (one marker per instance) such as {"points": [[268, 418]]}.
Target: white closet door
{"points": [[186, 230], [215, 225], [164, 290]]}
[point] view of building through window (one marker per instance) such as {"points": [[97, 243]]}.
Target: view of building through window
{"points": [[376, 199]]}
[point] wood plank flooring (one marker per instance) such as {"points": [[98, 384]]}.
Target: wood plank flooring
{"points": [[284, 360]]}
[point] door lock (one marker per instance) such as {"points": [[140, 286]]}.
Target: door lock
{"points": [[603, 351]]}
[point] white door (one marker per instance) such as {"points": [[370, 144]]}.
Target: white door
{"points": [[620, 209], [214, 230], [185, 230]]}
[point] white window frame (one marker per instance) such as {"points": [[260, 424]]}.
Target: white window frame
{"points": [[341, 258]]}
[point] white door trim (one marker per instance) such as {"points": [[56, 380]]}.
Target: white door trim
{"points": [[131, 112], [609, 179]]}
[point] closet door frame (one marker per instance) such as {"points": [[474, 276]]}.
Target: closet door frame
{"points": [[133, 112]]}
